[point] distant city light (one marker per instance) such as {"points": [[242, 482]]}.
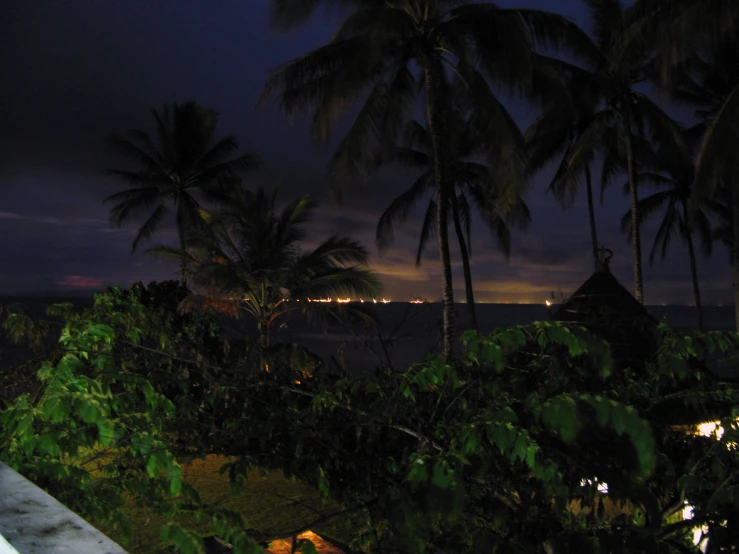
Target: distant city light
{"points": [[347, 300], [547, 302]]}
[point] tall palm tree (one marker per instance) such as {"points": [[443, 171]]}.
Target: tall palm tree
{"points": [[623, 113], [554, 134], [720, 206], [247, 257], [709, 83], [392, 53], [499, 209], [672, 170], [698, 56], [181, 161]]}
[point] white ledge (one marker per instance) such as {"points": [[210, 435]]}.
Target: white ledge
{"points": [[35, 523]]}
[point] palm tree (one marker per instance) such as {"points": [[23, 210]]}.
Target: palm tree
{"points": [[673, 170], [720, 206], [708, 82], [474, 181], [623, 113], [182, 160], [247, 257], [698, 56], [554, 134], [392, 53]]}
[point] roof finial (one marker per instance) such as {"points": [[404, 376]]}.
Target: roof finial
{"points": [[604, 258]]}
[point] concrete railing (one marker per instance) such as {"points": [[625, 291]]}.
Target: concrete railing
{"points": [[32, 522]]}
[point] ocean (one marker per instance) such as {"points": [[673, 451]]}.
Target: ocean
{"points": [[407, 333]]}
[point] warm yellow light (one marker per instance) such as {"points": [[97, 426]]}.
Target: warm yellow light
{"points": [[710, 429], [547, 302], [385, 301], [375, 301], [342, 300], [285, 546]]}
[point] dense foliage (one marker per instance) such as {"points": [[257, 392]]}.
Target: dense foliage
{"points": [[503, 452]]}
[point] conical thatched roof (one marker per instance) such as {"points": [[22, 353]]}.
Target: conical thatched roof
{"points": [[604, 306]]}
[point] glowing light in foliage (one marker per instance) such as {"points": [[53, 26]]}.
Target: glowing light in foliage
{"points": [[602, 487], [285, 546], [698, 532], [710, 429]]}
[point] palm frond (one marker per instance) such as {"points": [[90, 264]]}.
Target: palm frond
{"points": [[150, 226], [175, 254], [702, 224], [134, 202], [398, 210], [554, 32], [719, 146], [378, 122], [667, 229], [134, 152], [465, 217], [336, 251], [428, 230]]}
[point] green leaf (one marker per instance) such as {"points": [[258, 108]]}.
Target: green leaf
{"points": [[106, 432], [151, 466], [442, 475], [307, 547], [175, 485], [148, 391]]}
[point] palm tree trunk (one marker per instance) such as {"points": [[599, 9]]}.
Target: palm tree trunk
{"points": [[635, 233], [263, 328], [181, 235], [465, 264], [735, 248], [433, 76], [693, 265], [591, 214]]}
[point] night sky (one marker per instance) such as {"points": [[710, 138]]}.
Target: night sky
{"points": [[76, 71]]}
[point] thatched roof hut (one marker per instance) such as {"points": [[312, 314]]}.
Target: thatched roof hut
{"points": [[604, 307]]}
